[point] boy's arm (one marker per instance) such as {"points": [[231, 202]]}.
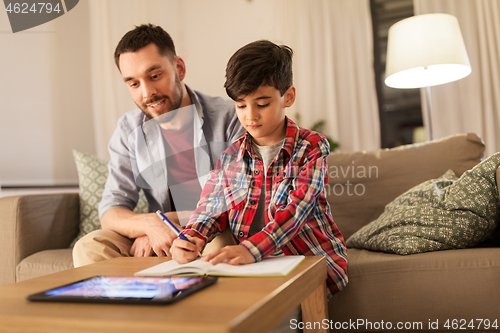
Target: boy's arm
{"points": [[301, 197], [210, 217]]}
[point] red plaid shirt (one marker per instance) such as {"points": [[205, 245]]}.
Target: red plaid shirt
{"points": [[297, 215]]}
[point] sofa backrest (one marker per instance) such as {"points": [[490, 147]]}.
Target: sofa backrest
{"points": [[362, 183]]}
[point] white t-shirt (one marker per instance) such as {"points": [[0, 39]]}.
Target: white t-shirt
{"points": [[267, 154]]}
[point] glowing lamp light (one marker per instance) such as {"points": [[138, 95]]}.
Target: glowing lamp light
{"points": [[424, 51]]}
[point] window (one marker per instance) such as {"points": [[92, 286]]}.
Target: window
{"points": [[400, 110]]}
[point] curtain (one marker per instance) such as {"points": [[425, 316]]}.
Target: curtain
{"points": [[333, 58], [473, 103], [331, 39]]}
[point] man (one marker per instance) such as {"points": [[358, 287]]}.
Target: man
{"points": [[167, 147]]}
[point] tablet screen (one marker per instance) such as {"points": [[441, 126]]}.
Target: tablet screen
{"points": [[125, 289]]}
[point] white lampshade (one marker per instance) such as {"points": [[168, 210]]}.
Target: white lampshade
{"points": [[425, 50]]}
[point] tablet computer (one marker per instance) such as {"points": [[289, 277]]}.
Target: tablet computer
{"points": [[128, 290]]}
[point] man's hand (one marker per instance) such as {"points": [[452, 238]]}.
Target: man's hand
{"points": [[141, 247], [232, 254], [184, 252], [159, 234]]}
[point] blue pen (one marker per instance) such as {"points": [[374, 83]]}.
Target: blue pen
{"points": [[173, 227]]}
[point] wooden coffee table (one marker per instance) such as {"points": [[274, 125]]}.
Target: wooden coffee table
{"points": [[231, 305]]}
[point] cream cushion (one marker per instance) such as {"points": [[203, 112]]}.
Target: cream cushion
{"points": [[43, 263]]}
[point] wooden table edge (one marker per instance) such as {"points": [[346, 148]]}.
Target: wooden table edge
{"points": [[309, 287]]}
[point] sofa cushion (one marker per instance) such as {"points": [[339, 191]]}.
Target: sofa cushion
{"points": [[444, 285], [439, 214], [43, 263], [92, 175], [362, 183], [498, 177]]}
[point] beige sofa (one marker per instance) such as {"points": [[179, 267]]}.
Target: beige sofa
{"points": [[422, 288], [419, 290], [36, 231]]}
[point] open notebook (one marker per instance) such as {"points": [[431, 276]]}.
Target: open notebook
{"points": [[274, 266]]}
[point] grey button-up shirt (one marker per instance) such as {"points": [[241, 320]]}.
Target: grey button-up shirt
{"points": [[138, 155]]}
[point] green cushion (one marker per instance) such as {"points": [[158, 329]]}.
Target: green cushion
{"points": [[92, 174], [439, 214]]}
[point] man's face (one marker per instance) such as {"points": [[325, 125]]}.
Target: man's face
{"points": [[262, 114], [154, 81]]}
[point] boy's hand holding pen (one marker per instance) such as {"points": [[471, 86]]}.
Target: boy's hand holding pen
{"points": [[175, 229]]}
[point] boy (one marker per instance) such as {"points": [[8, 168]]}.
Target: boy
{"points": [[269, 186]]}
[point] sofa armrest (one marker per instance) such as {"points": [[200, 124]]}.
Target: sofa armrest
{"points": [[32, 223]]}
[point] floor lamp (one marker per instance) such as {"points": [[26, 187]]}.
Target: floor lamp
{"points": [[424, 51]]}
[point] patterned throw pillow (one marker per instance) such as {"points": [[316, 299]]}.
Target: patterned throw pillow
{"points": [[92, 174], [439, 214]]}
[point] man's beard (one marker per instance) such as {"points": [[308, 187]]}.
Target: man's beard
{"points": [[171, 104]]}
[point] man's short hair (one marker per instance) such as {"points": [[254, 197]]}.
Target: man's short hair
{"points": [[142, 36], [259, 63]]}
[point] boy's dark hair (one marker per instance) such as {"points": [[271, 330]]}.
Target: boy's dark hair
{"points": [[142, 36], [259, 63]]}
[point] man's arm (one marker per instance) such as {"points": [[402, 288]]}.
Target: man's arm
{"points": [[121, 194], [134, 225]]}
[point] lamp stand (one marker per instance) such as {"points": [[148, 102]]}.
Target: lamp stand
{"points": [[429, 111]]}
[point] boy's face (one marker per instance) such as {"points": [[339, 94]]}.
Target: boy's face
{"points": [[262, 114]]}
